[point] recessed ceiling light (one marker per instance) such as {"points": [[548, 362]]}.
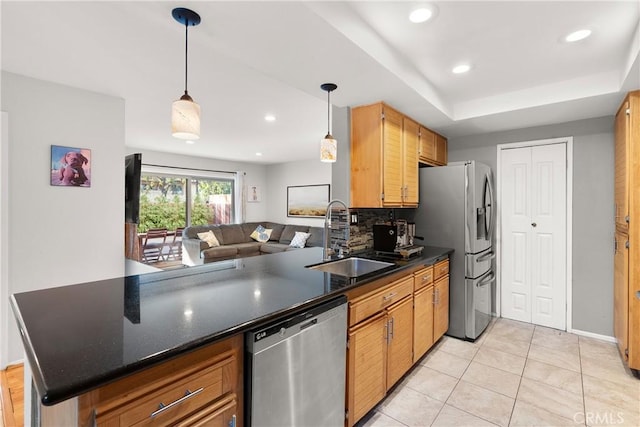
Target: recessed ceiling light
{"points": [[188, 141], [420, 15], [578, 35], [270, 118], [459, 69], [258, 154]]}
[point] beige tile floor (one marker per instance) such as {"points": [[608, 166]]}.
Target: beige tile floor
{"points": [[516, 374]]}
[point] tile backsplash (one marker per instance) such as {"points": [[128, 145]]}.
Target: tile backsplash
{"points": [[361, 235]]}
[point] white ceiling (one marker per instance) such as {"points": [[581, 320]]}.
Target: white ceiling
{"points": [[247, 59]]}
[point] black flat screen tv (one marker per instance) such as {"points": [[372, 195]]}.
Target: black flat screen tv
{"points": [[132, 175]]}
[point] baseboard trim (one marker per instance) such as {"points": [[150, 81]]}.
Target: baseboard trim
{"points": [[593, 335]]}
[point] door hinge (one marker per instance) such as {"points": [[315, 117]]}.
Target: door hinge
{"points": [[346, 414], [626, 352], [347, 343], [628, 111], [615, 246], [626, 218], [382, 115], [382, 196], [626, 244]]}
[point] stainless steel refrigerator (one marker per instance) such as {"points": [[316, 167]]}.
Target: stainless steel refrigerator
{"points": [[457, 211]]}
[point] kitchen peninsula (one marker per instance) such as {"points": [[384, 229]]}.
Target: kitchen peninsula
{"points": [[87, 338]]}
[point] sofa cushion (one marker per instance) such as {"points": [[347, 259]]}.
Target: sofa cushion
{"points": [[299, 240], [210, 238], [261, 234], [290, 231], [317, 237], [276, 230], [233, 233], [246, 249], [273, 248], [220, 252], [192, 231], [248, 228]]}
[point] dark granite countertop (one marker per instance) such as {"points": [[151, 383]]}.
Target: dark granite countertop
{"points": [[80, 337]]}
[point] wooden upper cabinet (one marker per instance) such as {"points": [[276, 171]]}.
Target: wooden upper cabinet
{"points": [[384, 158], [622, 166], [441, 150], [392, 157], [411, 140], [433, 148]]}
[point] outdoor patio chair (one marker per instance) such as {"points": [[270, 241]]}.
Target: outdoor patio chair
{"points": [[153, 244]]}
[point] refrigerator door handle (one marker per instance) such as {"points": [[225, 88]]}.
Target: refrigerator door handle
{"points": [[487, 279], [488, 207], [486, 257]]}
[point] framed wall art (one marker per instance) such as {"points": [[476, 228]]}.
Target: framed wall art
{"points": [[307, 201], [70, 166]]}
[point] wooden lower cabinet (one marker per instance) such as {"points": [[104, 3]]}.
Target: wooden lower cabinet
{"points": [[201, 388], [440, 307], [390, 328], [367, 366], [400, 340], [423, 322]]}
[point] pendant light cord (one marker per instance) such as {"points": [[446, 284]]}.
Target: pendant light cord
{"points": [[328, 112], [186, 53]]}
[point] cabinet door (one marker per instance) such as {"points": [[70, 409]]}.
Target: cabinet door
{"points": [[410, 140], [622, 167], [441, 150], [427, 145], [422, 322], [392, 158], [366, 156], [621, 293], [367, 366], [400, 347], [440, 308]]}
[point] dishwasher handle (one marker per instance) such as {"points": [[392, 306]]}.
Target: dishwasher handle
{"points": [[309, 324]]}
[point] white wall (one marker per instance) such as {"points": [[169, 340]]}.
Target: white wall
{"points": [[593, 173], [61, 235], [255, 173], [282, 175]]}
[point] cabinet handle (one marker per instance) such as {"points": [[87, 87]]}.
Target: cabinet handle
{"points": [[187, 394], [425, 278], [388, 297], [436, 297], [391, 329]]}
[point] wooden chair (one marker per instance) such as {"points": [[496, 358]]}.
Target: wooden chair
{"points": [[175, 247], [153, 244]]}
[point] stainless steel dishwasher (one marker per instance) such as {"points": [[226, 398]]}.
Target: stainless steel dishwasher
{"points": [[296, 369]]}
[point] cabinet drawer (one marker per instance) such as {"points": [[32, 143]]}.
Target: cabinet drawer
{"points": [[422, 278], [369, 304], [441, 269], [173, 401]]}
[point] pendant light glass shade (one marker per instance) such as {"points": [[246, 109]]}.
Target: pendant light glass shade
{"points": [[328, 149], [328, 145], [185, 114], [185, 119]]}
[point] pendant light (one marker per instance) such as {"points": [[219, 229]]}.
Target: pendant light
{"points": [[185, 114], [328, 145]]}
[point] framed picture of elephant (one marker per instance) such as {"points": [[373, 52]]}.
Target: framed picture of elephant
{"points": [[70, 167]]}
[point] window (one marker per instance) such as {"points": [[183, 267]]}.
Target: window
{"points": [[172, 198]]}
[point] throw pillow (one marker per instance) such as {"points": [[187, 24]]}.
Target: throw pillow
{"points": [[261, 234], [210, 238], [299, 240]]}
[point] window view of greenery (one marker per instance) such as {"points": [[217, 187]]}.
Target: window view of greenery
{"points": [[163, 202]]}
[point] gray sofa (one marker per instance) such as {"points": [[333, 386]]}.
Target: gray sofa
{"points": [[236, 242]]}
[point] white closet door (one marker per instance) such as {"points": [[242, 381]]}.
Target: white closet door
{"points": [[533, 209], [548, 219], [516, 234]]}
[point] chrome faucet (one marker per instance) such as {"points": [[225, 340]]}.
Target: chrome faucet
{"points": [[329, 247]]}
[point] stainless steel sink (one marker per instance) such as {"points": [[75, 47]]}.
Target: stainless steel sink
{"points": [[351, 267]]}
